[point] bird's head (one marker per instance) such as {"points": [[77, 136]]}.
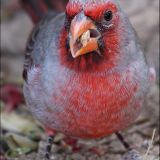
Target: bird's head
{"points": [[91, 36]]}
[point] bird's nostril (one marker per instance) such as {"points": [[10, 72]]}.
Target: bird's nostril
{"points": [[94, 33]]}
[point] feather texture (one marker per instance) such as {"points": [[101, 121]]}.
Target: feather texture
{"points": [[90, 96]]}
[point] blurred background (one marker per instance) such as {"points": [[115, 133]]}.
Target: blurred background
{"points": [[22, 138]]}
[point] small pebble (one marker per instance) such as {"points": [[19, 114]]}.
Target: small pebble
{"points": [[145, 144], [132, 155]]}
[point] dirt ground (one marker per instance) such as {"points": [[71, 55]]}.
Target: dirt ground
{"points": [[15, 28]]}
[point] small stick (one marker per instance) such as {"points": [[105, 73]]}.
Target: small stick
{"points": [[150, 145]]}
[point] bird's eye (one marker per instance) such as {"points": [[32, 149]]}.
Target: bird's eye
{"points": [[108, 15]]}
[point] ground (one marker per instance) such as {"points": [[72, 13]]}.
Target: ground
{"points": [[17, 126]]}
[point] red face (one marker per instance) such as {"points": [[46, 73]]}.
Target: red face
{"points": [[91, 33]]}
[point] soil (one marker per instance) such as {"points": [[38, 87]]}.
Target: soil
{"points": [[144, 15]]}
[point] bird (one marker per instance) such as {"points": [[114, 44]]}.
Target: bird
{"points": [[85, 74]]}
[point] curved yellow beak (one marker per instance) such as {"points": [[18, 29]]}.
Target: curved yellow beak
{"points": [[83, 36]]}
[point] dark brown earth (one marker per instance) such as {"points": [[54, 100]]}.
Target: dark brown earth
{"points": [[144, 15]]}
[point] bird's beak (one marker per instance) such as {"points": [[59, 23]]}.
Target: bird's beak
{"points": [[83, 36]]}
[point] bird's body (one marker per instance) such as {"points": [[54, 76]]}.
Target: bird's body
{"points": [[92, 95]]}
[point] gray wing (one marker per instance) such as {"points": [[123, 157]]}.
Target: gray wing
{"points": [[28, 61]]}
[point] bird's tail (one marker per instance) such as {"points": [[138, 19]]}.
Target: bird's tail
{"points": [[37, 8]]}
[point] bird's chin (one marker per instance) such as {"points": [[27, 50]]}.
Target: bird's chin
{"points": [[79, 50], [96, 52]]}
